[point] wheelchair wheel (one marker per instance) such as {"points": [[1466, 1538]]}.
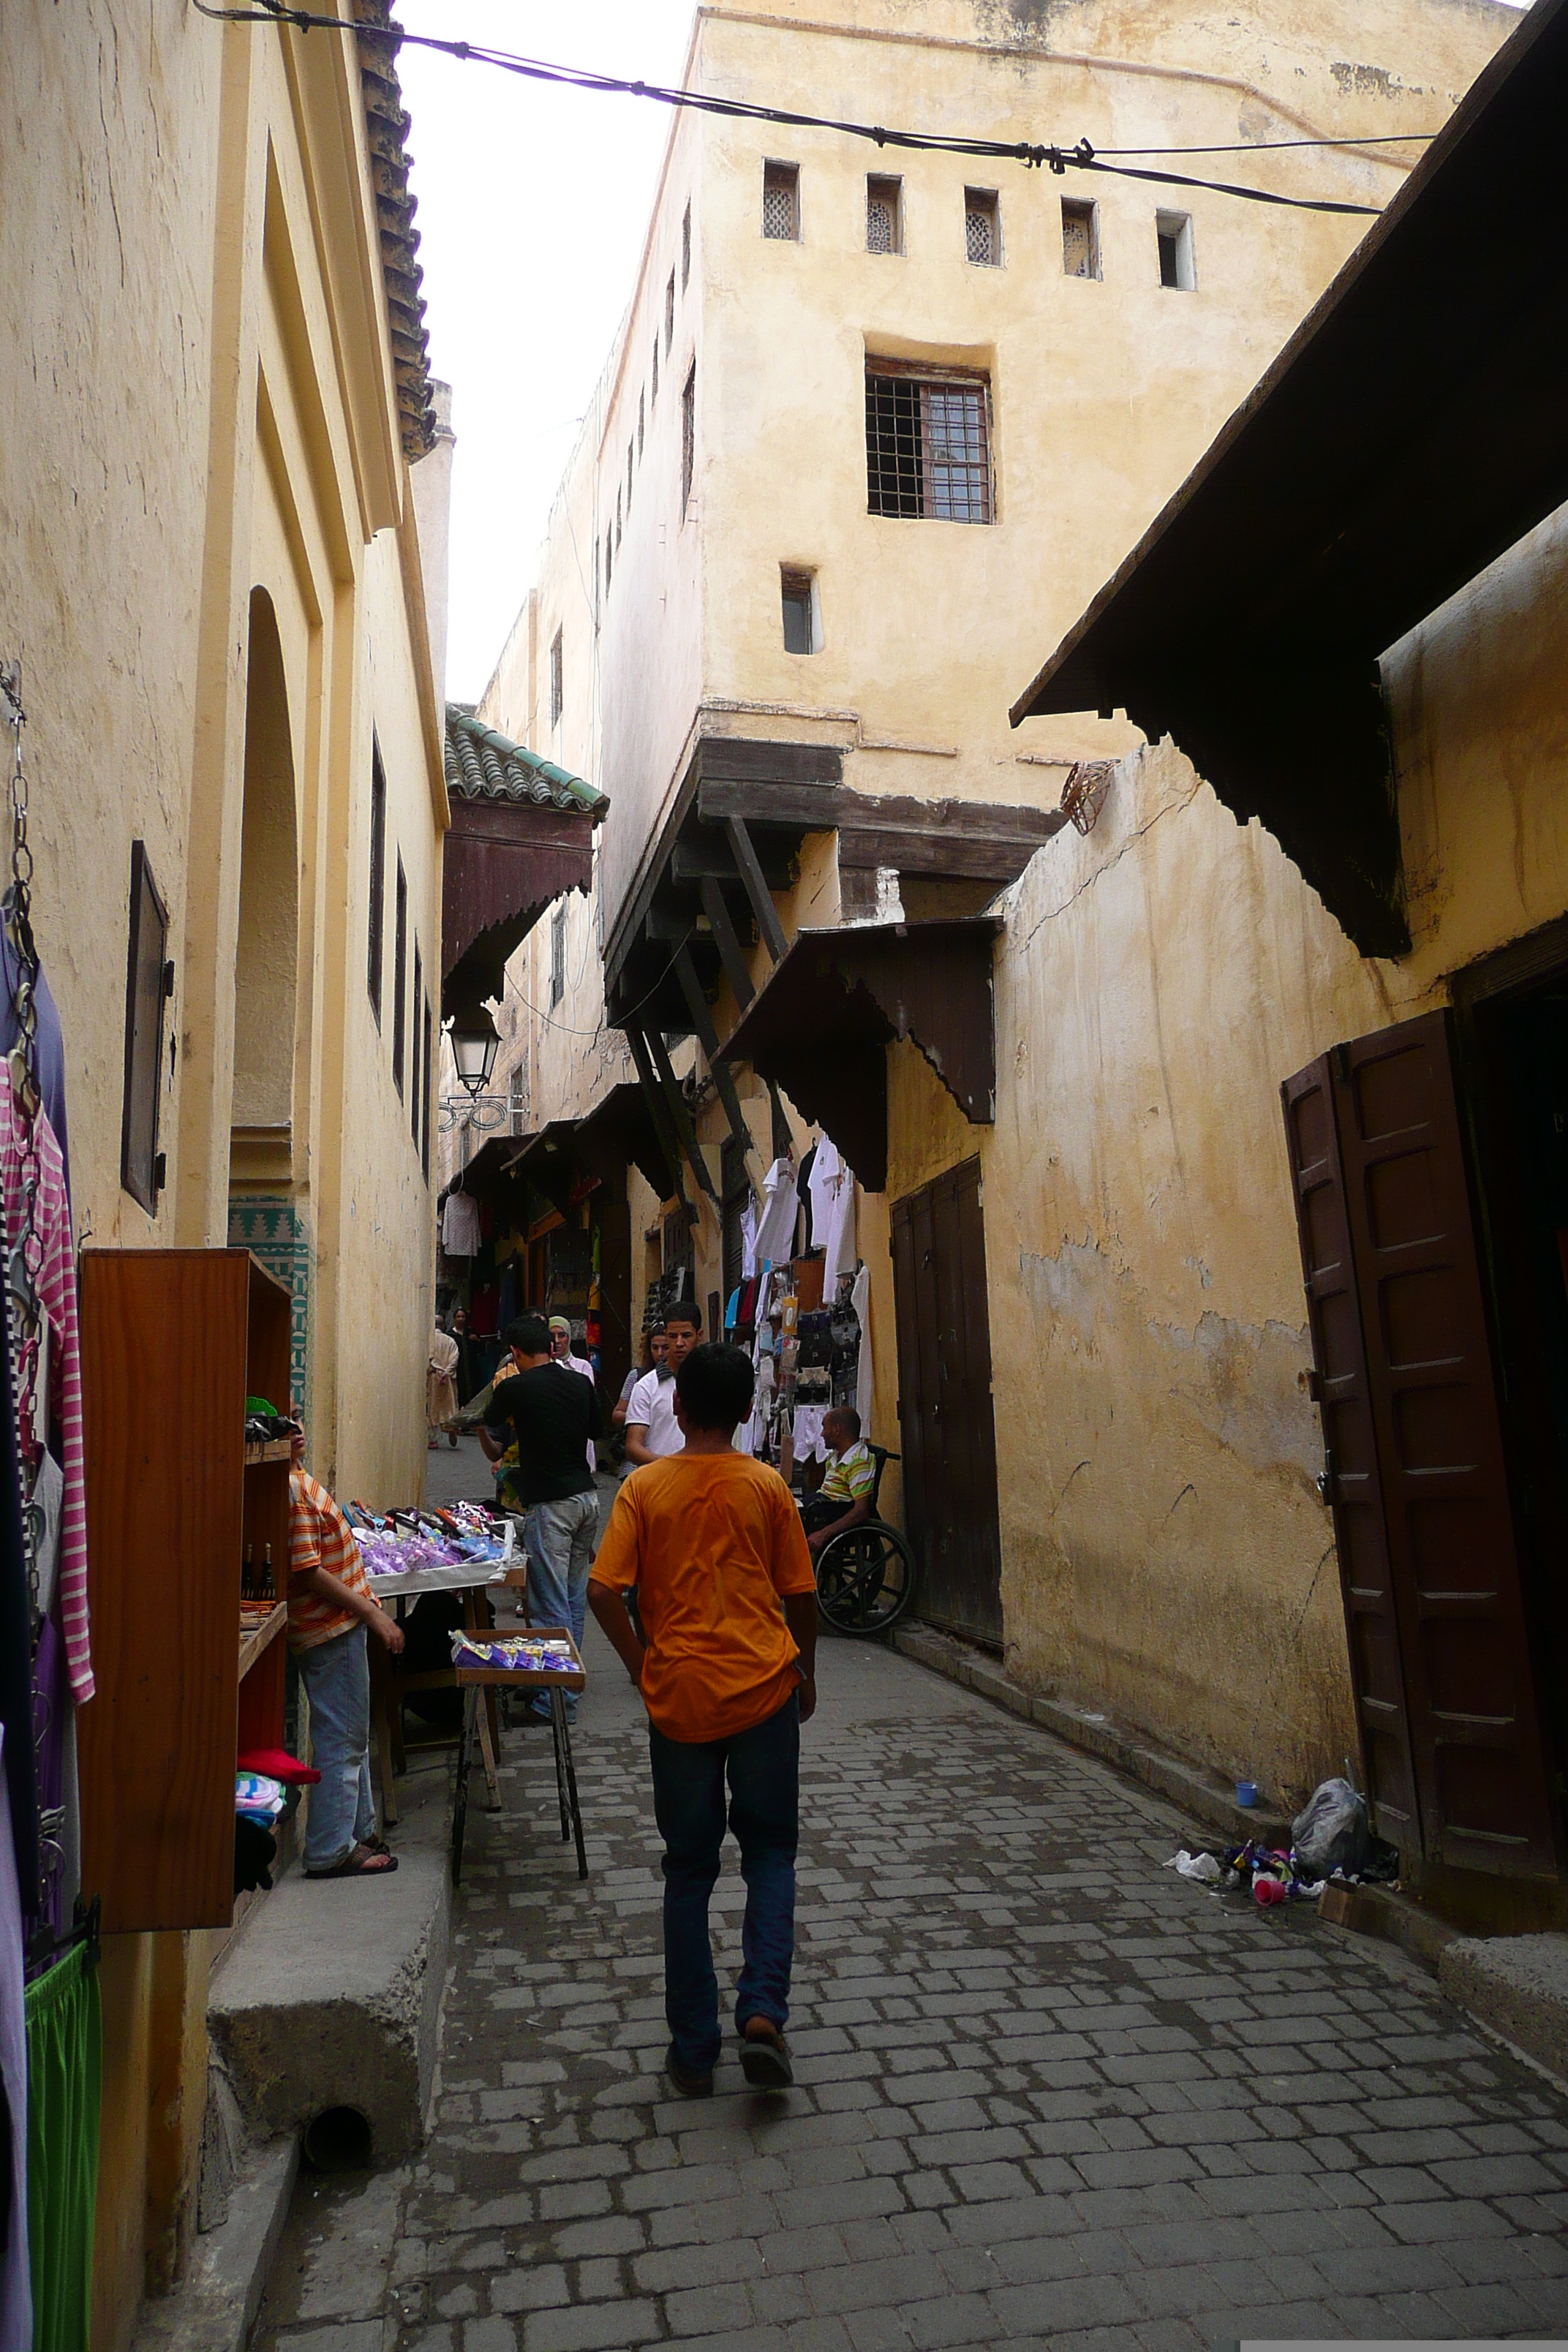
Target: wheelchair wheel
{"points": [[864, 1578]]}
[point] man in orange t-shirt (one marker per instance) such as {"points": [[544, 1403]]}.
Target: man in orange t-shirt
{"points": [[712, 1545]]}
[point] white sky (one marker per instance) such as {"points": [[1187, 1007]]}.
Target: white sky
{"points": [[532, 202]]}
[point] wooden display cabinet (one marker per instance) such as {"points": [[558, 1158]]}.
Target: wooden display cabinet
{"points": [[173, 1341]]}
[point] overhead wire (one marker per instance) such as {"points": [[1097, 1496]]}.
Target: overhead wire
{"points": [[1034, 156]]}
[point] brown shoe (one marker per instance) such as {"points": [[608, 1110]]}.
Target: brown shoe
{"points": [[764, 2061]]}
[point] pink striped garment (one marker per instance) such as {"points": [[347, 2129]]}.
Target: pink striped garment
{"points": [[55, 1274]]}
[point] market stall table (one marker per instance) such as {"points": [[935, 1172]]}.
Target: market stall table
{"points": [[390, 1685], [472, 1677]]}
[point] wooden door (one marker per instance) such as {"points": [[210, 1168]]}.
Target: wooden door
{"points": [[944, 1402], [1454, 1740]]}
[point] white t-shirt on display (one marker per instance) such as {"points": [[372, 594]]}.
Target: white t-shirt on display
{"points": [[652, 1409]]}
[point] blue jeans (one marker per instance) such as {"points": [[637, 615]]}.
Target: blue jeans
{"points": [[560, 1539], [763, 1768], [341, 1809]]}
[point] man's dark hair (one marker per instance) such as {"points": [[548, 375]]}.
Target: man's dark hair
{"points": [[714, 1386], [685, 1310], [846, 1415], [530, 1335]]}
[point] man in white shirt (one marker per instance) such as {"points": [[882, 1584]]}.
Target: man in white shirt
{"points": [[561, 1351], [652, 1431]]}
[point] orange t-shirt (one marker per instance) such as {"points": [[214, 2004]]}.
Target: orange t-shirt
{"points": [[711, 1541]]}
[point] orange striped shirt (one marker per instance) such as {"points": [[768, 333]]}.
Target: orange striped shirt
{"points": [[318, 1536]]}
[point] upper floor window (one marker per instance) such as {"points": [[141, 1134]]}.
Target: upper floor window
{"points": [[687, 437], [780, 201], [1081, 238], [982, 227], [685, 249], [399, 976], [928, 443], [884, 216], [557, 957], [378, 879], [799, 594], [417, 1039], [642, 423], [669, 313], [653, 395], [557, 679], [1175, 231], [628, 477]]}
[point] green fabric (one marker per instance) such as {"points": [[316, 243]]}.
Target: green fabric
{"points": [[65, 2081]]}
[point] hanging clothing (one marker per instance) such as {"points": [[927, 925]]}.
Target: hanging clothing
{"points": [[17, 1703], [16, 2288], [810, 1445], [860, 1299], [776, 1226], [460, 1225], [56, 1294], [748, 1240], [64, 2075], [833, 1213], [49, 1044]]}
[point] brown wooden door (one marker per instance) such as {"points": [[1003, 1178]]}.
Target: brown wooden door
{"points": [[944, 1402], [1453, 1739]]}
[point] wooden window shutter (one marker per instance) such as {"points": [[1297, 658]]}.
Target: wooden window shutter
{"points": [[1387, 1140]]}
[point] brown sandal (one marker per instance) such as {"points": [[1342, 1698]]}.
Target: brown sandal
{"points": [[359, 1861]]}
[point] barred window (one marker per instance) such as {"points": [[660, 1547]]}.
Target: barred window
{"points": [[687, 436], [557, 957], [927, 446], [557, 679], [982, 227], [884, 216], [780, 201]]}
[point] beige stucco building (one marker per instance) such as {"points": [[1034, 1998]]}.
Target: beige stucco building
{"points": [[218, 529], [878, 424]]}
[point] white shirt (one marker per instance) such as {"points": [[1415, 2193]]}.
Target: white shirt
{"points": [[652, 1409], [581, 1365], [460, 1225]]}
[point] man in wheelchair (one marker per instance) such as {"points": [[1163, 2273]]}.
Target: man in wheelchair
{"points": [[844, 1498]]}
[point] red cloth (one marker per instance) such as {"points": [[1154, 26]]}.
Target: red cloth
{"points": [[277, 1764]]}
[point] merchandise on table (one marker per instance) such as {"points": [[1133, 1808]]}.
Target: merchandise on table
{"points": [[406, 1543], [515, 1653], [257, 1797]]}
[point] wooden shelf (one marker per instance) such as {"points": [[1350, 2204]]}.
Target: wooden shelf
{"points": [[275, 1449], [251, 1646]]}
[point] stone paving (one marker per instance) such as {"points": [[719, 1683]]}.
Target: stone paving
{"points": [[1047, 2093]]}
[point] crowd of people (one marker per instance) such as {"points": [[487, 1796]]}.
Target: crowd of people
{"points": [[702, 1581]]}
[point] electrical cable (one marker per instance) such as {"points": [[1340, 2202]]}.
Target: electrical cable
{"points": [[629, 1014], [1034, 156]]}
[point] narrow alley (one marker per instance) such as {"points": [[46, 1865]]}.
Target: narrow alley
{"points": [[1047, 2091]]}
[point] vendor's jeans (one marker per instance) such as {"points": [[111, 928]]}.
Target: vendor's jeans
{"points": [[560, 1541], [342, 1814], [763, 1769]]}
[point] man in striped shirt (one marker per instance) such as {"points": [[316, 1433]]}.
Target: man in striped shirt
{"points": [[331, 1610]]}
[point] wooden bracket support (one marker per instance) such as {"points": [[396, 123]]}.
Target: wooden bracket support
{"points": [[757, 890], [708, 1038]]}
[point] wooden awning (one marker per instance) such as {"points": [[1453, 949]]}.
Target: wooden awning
{"points": [[505, 861], [840, 998]]}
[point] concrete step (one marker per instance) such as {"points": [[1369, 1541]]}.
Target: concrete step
{"points": [[1517, 1985], [214, 2307], [329, 1996]]}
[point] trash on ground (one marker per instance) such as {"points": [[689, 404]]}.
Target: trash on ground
{"points": [[1333, 1832]]}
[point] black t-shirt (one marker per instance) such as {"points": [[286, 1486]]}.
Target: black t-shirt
{"points": [[552, 1413]]}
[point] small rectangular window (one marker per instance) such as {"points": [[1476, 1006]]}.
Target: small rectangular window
{"points": [[642, 423], [927, 445], [687, 437], [424, 1034], [780, 201], [148, 981], [653, 395], [669, 314], [685, 249], [1081, 238], [629, 458], [799, 591], [557, 957], [884, 215], [982, 227], [1175, 231], [617, 518], [377, 877], [414, 1002], [399, 975], [609, 555], [557, 679]]}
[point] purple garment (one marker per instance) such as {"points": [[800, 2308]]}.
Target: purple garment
{"points": [[15, 2290], [51, 1709]]}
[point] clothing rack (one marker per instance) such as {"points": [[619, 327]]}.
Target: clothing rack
{"points": [[46, 1949]]}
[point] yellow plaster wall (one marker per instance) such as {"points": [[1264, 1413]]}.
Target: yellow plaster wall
{"points": [[1164, 1550]]}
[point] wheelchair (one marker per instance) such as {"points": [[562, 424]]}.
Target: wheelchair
{"points": [[866, 1577]]}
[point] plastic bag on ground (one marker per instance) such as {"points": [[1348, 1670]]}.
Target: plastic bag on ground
{"points": [[1333, 1832], [1203, 1867]]}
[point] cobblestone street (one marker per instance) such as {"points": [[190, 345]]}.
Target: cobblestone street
{"points": [[1047, 2092]]}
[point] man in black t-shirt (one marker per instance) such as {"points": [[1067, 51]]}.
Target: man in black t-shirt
{"points": [[548, 1414]]}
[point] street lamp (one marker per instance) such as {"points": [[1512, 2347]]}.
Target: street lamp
{"points": [[475, 1044]]}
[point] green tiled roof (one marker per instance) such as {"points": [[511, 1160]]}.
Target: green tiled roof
{"points": [[482, 765]]}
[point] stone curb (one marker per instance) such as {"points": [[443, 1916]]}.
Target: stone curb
{"points": [[1192, 1791], [1516, 1986], [214, 2307]]}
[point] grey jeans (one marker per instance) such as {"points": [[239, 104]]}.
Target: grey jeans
{"points": [[561, 1539], [342, 1809]]}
